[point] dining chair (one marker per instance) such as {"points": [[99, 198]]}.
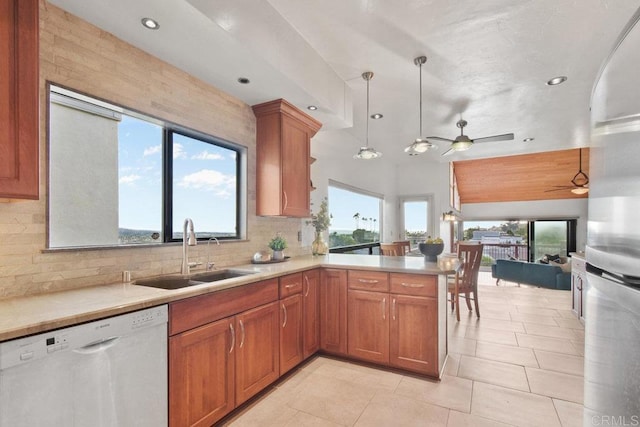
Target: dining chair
{"points": [[391, 249], [405, 244], [465, 280]]}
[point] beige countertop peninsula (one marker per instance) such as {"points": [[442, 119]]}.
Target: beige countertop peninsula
{"points": [[43, 312]]}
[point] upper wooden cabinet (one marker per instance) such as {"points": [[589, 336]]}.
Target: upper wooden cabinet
{"points": [[19, 99], [283, 135]]}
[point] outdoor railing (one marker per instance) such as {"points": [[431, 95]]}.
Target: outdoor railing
{"points": [[506, 251], [362, 248]]}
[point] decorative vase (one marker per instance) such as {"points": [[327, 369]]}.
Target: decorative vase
{"points": [[319, 246], [431, 250], [277, 255]]}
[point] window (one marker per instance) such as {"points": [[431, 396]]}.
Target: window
{"points": [[118, 177], [357, 215], [417, 218]]}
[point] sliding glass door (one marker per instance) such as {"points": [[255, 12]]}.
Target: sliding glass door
{"points": [[551, 237]]}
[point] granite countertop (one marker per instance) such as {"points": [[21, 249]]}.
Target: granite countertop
{"points": [[43, 312]]}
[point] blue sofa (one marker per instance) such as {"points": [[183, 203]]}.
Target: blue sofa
{"points": [[531, 273]]}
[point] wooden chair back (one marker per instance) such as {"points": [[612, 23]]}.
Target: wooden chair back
{"points": [[405, 245], [470, 255], [391, 249]]}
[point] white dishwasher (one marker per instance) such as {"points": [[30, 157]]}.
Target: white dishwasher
{"points": [[108, 373]]}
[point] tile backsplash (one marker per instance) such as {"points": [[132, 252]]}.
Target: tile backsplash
{"points": [[75, 54]]}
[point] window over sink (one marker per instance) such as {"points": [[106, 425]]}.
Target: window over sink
{"points": [[120, 177]]}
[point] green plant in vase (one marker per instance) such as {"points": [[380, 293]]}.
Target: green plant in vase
{"points": [[278, 244], [321, 222]]}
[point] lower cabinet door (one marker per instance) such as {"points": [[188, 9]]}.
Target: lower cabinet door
{"points": [[368, 325], [333, 311], [290, 332], [310, 312], [414, 333], [257, 350], [201, 374]]}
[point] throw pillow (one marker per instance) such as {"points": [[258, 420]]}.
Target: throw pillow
{"points": [[566, 267], [554, 258]]}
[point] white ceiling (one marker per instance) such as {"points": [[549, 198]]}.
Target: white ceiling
{"points": [[488, 62]]}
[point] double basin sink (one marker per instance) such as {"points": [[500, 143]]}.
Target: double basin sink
{"points": [[178, 282]]}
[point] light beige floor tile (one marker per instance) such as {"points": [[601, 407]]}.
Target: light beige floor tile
{"points": [[507, 353], [450, 392], [557, 345], [333, 399], [361, 375], [534, 318], [556, 384], [392, 410], [452, 364], [570, 413], [457, 329], [500, 314], [570, 323], [498, 325], [460, 419], [579, 335], [549, 331], [579, 346], [565, 363], [302, 419], [268, 411], [566, 313], [489, 371], [491, 335], [528, 309], [513, 406], [462, 346]]}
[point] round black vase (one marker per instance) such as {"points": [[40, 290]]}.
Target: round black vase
{"points": [[431, 250]]}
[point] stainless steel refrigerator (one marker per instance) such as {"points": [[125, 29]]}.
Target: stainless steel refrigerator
{"points": [[612, 313]]}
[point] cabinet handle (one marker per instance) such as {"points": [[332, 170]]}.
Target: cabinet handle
{"points": [[393, 309], [384, 308], [286, 200], [284, 310], [291, 286], [242, 331], [370, 281], [412, 285], [233, 337], [306, 280]]}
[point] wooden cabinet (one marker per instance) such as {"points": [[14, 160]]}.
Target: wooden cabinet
{"points": [[283, 135], [414, 334], [333, 311], [368, 326], [257, 355], [290, 332], [578, 285], [310, 312], [201, 374], [223, 349], [19, 83]]}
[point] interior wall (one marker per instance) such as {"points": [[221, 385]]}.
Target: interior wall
{"points": [[75, 54]]}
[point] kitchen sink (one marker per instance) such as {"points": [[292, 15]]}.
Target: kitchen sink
{"points": [[178, 282]]}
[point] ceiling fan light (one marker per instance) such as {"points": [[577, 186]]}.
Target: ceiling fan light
{"points": [[367, 153], [580, 190], [419, 146], [461, 145]]}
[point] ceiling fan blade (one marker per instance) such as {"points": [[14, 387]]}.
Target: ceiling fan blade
{"points": [[437, 138], [504, 137], [449, 151]]}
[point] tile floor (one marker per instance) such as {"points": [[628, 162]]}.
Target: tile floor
{"points": [[521, 364]]}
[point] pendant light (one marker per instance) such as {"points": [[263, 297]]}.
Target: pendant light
{"points": [[421, 144], [366, 152]]}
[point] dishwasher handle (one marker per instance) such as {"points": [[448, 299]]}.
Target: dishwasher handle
{"points": [[97, 346]]}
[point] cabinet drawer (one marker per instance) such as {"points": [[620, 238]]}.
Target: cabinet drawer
{"points": [[578, 265], [414, 284], [369, 280], [193, 312], [290, 284]]}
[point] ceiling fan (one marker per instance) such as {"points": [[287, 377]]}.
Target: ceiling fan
{"points": [[463, 142], [580, 181]]}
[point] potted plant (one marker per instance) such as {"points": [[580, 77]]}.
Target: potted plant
{"points": [[321, 222], [277, 245]]}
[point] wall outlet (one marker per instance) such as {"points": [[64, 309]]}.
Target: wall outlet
{"points": [[299, 236]]}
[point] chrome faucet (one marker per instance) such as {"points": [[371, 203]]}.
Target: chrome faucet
{"points": [[190, 241], [209, 262]]}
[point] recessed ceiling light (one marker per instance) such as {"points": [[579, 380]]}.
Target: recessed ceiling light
{"points": [[528, 139], [244, 80], [377, 116], [557, 80], [150, 23], [312, 108]]}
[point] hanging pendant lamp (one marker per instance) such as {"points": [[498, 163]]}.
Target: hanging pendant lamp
{"points": [[421, 144], [366, 152]]}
